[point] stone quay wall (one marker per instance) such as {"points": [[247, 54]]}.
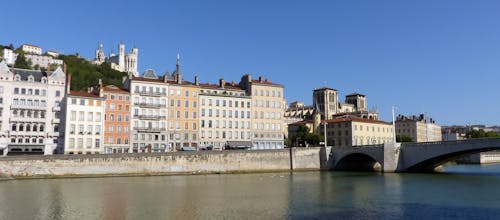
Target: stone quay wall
{"points": [[205, 162]]}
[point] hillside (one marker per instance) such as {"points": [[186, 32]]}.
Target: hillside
{"points": [[84, 74]]}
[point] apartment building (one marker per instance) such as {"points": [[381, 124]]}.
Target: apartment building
{"points": [[84, 125], [225, 116], [418, 128], [268, 107], [116, 120], [183, 120], [353, 131], [30, 109], [148, 113]]}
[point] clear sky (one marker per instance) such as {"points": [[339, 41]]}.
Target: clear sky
{"points": [[439, 57]]}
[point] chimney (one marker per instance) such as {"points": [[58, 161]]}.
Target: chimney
{"points": [[179, 79], [232, 82], [260, 79], [222, 82], [68, 82], [101, 89], [196, 80]]}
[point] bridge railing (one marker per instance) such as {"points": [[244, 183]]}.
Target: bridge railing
{"points": [[466, 141]]}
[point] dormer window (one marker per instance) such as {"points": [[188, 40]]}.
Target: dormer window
{"points": [[44, 80], [17, 78], [31, 78]]}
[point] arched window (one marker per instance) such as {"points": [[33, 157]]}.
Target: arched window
{"points": [[14, 127], [41, 128], [31, 78], [35, 128], [21, 127], [17, 78], [28, 128]]}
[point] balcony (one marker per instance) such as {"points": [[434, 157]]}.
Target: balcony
{"points": [[56, 108], [153, 94], [150, 117], [149, 105], [56, 121], [28, 107], [149, 129], [24, 119]]}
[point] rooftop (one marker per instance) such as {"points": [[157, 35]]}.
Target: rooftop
{"points": [[83, 94]]}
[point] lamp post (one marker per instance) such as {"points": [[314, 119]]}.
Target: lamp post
{"points": [[393, 125]]}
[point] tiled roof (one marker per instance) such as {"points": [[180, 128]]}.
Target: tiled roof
{"points": [[112, 88], [266, 82], [216, 86], [83, 94], [356, 119], [303, 122], [147, 79]]}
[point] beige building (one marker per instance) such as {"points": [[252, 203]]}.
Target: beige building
{"points": [[418, 128], [268, 108], [84, 124], [357, 132], [225, 116], [31, 49], [347, 132]]}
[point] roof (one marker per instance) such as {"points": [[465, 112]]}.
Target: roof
{"points": [[216, 86], [355, 94], [24, 73], [355, 119], [324, 88], [302, 122], [182, 83], [30, 45], [112, 88], [147, 79], [83, 94], [266, 82]]}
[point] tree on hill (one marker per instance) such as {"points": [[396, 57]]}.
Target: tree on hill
{"points": [[85, 74], [21, 62], [482, 134]]}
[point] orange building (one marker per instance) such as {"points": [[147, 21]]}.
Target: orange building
{"points": [[116, 120]]}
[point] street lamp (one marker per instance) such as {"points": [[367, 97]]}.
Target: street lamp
{"points": [[393, 125]]}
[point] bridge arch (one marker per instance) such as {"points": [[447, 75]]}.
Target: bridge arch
{"points": [[431, 164], [425, 157], [358, 162]]}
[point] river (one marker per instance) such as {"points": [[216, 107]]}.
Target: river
{"points": [[462, 192]]}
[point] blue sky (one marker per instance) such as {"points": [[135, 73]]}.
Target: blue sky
{"points": [[438, 57]]}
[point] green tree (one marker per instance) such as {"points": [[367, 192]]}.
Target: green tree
{"points": [[304, 135], [403, 138], [21, 62], [482, 134]]}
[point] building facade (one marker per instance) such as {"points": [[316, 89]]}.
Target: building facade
{"points": [[30, 108], [84, 124], [268, 107], [148, 113], [31, 49], [353, 131], [418, 128], [183, 120], [116, 120], [225, 116]]}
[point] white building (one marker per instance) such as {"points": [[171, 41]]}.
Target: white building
{"points": [[30, 110], [9, 56], [418, 128], [225, 116], [84, 124], [148, 112], [31, 49], [35, 58], [121, 62]]}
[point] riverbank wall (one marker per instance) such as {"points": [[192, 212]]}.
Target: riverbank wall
{"points": [[205, 162], [481, 158]]}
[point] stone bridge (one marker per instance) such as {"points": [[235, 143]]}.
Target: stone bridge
{"points": [[406, 157]]}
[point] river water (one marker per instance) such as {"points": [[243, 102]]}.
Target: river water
{"points": [[462, 192]]}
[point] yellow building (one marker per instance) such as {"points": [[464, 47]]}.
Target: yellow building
{"points": [[268, 108], [418, 128], [357, 132], [183, 113]]}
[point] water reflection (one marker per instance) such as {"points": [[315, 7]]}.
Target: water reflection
{"points": [[300, 195]]}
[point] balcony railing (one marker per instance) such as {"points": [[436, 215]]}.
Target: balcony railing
{"points": [[149, 105], [56, 121], [25, 119], [149, 129], [56, 108], [150, 117], [154, 94]]}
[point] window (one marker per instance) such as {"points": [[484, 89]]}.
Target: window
{"points": [[90, 116], [81, 116], [58, 93], [97, 142]]}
